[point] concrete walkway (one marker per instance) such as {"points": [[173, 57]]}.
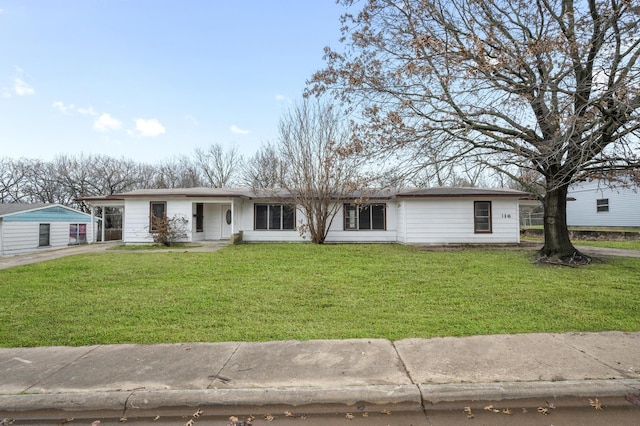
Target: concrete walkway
{"points": [[334, 375], [41, 256]]}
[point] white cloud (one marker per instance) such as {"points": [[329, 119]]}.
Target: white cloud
{"points": [[86, 111], [65, 109], [149, 128], [106, 122], [22, 88], [238, 131], [71, 108]]}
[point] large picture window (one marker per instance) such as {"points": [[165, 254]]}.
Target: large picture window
{"points": [[45, 235], [157, 211], [274, 216], [365, 217], [482, 217]]}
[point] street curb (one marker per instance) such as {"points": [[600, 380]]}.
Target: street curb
{"points": [[401, 398], [398, 398], [500, 391]]}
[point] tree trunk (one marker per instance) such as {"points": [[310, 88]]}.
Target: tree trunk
{"points": [[557, 245]]}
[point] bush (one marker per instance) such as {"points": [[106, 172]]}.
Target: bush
{"points": [[169, 231]]}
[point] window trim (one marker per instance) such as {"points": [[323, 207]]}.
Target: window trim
{"points": [[269, 218], [151, 215], [358, 208], [48, 235], [602, 205], [476, 217]]}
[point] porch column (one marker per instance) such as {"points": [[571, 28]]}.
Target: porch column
{"points": [[103, 223], [93, 225]]}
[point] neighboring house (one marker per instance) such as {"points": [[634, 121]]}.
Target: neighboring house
{"points": [[601, 203], [419, 216], [26, 228]]}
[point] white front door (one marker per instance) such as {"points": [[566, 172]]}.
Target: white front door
{"points": [[225, 231]]}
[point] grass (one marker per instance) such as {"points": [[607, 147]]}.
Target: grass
{"points": [[258, 292], [621, 244]]}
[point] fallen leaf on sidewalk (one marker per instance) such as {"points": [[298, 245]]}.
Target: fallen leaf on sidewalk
{"points": [[387, 412], [595, 404], [543, 410], [96, 423], [268, 417], [349, 416], [507, 411], [469, 413]]}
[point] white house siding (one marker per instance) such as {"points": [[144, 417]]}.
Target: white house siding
{"points": [[23, 237], [451, 221], [136, 213], [624, 205]]}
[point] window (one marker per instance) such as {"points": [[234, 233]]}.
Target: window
{"points": [[602, 205], [365, 217], [158, 211], [274, 216], [199, 217], [45, 232], [482, 217], [77, 233]]}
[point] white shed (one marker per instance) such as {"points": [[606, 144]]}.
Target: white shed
{"points": [[27, 228]]}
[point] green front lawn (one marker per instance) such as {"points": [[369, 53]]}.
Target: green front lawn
{"points": [[257, 292]]}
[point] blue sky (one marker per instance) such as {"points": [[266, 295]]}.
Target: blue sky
{"points": [[151, 79]]}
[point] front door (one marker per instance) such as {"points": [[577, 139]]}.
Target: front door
{"points": [[226, 221]]}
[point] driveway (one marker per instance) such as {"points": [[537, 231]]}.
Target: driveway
{"points": [[40, 256]]}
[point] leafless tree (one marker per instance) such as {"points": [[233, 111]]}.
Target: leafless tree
{"points": [[218, 167], [317, 170], [12, 178], [178, 172], [547, 85], [263, 169]]}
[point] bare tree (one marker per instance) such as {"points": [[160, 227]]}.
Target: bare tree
{"points": [[219, 168], [179, 172], [12, 178], [263, 169], [318, 172], [548, 85]]}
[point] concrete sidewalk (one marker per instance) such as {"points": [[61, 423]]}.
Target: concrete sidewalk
{"points": [[335, 375]]}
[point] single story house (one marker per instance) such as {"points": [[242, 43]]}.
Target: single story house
{"points": [[414, 216], [26, 228], [603, 203]]}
